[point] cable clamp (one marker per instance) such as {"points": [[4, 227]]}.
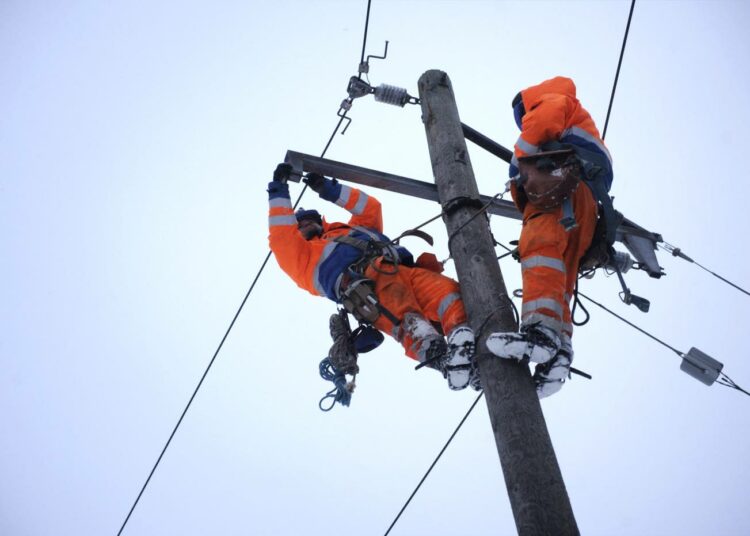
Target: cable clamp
{"points": [[456, 203], [701, 366]]}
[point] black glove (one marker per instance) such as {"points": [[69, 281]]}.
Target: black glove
{"points": [[315, 182], [282, 172]]}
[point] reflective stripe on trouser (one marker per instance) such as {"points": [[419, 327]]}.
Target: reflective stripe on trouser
{"points": [[549, 260], [433, 296]]}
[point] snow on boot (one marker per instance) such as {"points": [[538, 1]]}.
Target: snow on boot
{"points": [[460, 354], [548, 388], [550, 377], [537, 343], [428, 345], [559, 367]]}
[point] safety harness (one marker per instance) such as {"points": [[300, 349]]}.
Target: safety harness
{"points": [[356, 293], [548, 180]]}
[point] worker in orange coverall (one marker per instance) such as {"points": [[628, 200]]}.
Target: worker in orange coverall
{"points": [[551, 118], [305, 247]]}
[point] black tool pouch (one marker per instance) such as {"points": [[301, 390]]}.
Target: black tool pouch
{"points": [[358, 298]]}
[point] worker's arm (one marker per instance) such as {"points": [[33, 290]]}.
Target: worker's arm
{"points": [[366, 210], [291, 250]]}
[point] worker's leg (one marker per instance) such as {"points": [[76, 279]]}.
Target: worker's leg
{"points": [[541, 248], [439, 297], [414, 331], [550, 377]]}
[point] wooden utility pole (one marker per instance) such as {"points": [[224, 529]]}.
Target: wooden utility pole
{"points": [[535, 486]]}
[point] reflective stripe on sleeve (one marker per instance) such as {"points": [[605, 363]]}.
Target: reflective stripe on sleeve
{"points": [[343, 199], [289, 219], [327, 250], [579, 132], [526, 147], [366, 231], [361, 202], [447, 302], [541, 260], [280, 202], [542, 303]]}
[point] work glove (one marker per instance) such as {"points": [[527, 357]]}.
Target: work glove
{"points": [[282, 172], [315, 182], [328, 189], [278, 187]]}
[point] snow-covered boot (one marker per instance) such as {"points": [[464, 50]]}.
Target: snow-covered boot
{"points": [[549, 377], [424, 337], [536, 342], [460, 354]]}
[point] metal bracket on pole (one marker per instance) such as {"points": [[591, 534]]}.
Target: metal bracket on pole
{"points": [[639, 241], [385, 181]]}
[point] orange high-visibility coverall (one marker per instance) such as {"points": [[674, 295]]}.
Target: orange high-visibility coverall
{"points": [[317, 264], [550, 256]]}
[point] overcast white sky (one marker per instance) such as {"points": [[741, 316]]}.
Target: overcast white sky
{"points": [[136, 141]]}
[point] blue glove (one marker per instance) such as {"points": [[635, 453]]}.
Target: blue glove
{"points": [[277, 189], [328, 189]]}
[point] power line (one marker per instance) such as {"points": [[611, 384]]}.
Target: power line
{"points": [[364, 37], [413, 493], [216, 353], [195, 392], [723, 380], [236, 315], [675, 350], [677, 252], [619, 64]]}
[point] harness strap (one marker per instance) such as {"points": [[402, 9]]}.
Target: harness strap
{"points": [[568, 220], [362, 245], [420, 234], [612, 218]]}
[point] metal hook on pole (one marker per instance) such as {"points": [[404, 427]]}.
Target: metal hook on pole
{"points": [[364, 67], [346, 105]]}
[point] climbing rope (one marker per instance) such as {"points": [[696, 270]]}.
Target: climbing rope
{"points": [[342, 390]]}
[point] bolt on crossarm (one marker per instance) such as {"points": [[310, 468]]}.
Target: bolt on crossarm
{"points": [[537, 493]]}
